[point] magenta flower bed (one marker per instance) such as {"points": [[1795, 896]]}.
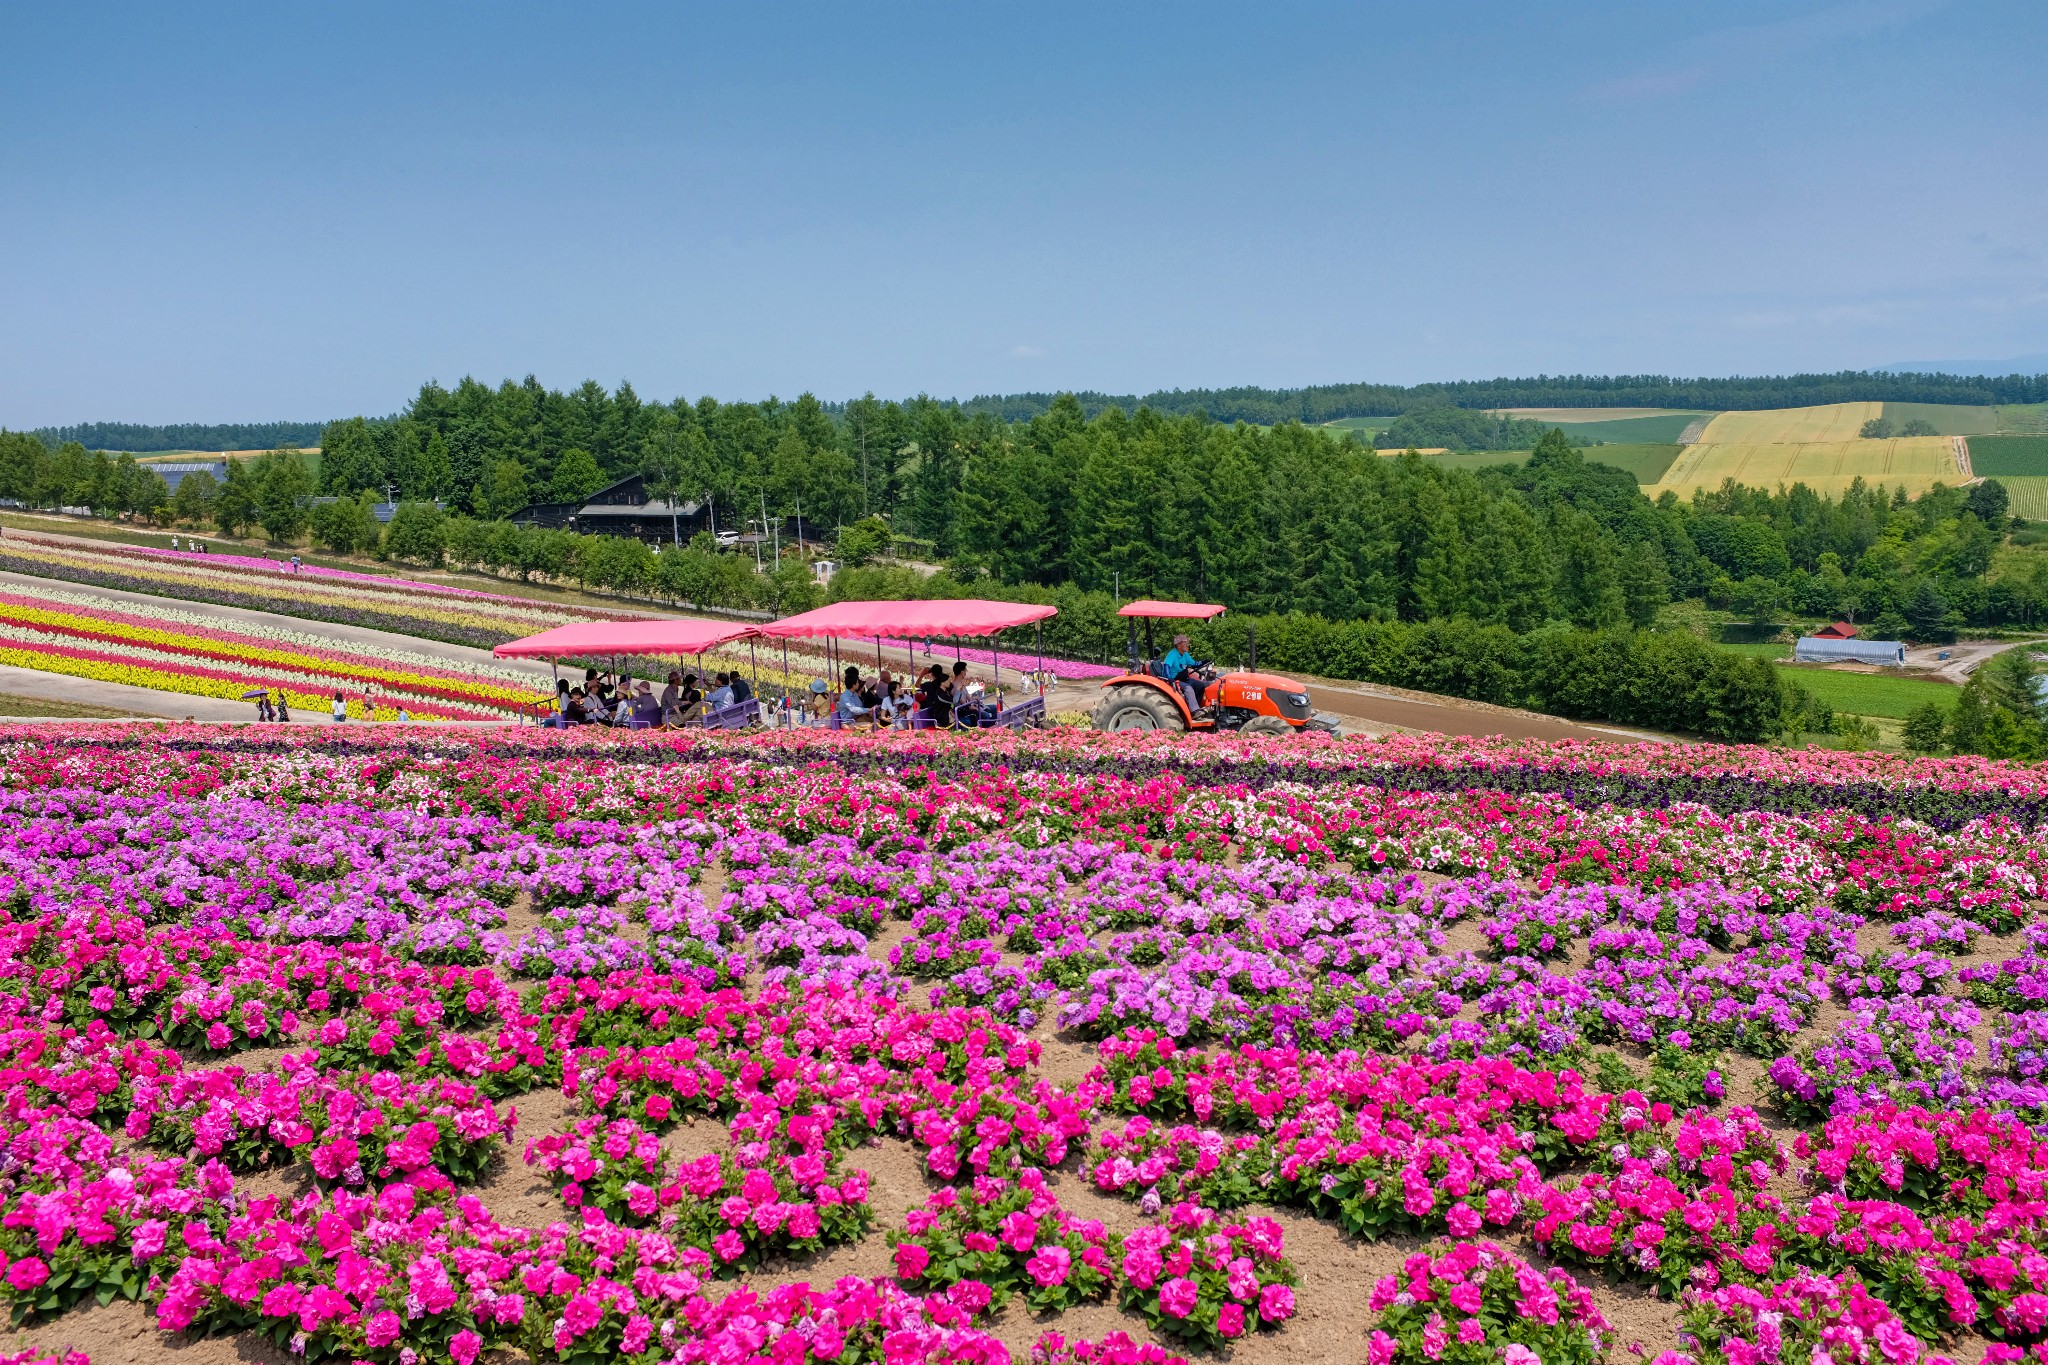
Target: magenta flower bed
{"points": [[417, 1049]]}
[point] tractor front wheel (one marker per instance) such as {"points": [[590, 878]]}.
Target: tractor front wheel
{"points": [[1137, 708], [1266, 725]]}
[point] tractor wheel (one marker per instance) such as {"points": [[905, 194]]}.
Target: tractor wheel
{"points": [[1266, 725], [1137, 708]]}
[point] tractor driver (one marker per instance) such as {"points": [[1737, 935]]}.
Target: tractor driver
{"points": [[1181, 668]]}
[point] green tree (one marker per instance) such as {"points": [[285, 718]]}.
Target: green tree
{"points": [[506, 491], [576, 477], [416, 534], [195, 498], [1925, 728], [861, 542], [1759, 601], [1588, 588], [283, 484], [235, 508], [1645, 582], [1927, 610], [1990, 502], [345, 525]]}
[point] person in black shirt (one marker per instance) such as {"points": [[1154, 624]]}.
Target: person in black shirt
{"points": [[936, 696]]}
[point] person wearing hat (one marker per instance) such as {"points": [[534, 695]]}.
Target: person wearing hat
{"points": [[646, 709]]}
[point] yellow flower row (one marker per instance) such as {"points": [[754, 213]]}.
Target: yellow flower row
{"points": [[256, 654], [138, 676]]}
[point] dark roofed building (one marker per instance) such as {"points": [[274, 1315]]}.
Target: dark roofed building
{"points": [[619, 509]]}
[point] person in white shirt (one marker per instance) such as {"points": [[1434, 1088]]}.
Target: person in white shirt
{"points": [[721, 695], [340, 709]]}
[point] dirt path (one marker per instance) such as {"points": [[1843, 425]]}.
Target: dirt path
{"points": [[1964, 657]]}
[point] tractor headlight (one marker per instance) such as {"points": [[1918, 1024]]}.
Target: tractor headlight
{"points": [[1293, 705]]}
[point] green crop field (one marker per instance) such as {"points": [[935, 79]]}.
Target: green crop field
{"points": [[1661, 430], [1947, 419], [1998, 457], [2029, 495], [1646, 462], [1871, 694], [2024, 419]]}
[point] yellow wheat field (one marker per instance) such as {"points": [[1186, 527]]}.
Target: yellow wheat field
{"points": [[1828, 467], [1777, 426]]}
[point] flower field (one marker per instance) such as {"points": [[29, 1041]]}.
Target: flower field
{"points": [[167, 649], [419, 1046], [408, 606]]}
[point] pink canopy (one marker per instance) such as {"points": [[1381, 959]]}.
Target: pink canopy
{"points": [[649, 639], [908, 620], [1193, 611]]}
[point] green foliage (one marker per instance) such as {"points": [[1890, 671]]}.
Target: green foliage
{"points": [[1879, 429], [282, 486], [235, 508], [194, 501], [861, 542], [416, 534], [1457, 429], [575, 478], [1926, 728], [346, 525]]}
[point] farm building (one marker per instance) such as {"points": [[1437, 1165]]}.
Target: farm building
{"points": [[1840, 630], [173, 472], [624, 508], [1816, 649]]}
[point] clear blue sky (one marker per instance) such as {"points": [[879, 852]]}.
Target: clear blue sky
{"points": [[299, 211]]}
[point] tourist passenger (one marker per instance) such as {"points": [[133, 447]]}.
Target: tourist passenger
{"points": [[936, 696], [721, 695], [647, 710], [852, 705]]}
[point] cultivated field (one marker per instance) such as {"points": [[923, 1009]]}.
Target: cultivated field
{"points": [[1947, 419], [1914, 463], [2003, 456], [1573, 416], [2029, 495], [1777, 426]]}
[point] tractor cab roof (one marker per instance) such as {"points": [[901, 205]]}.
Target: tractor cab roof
{"points": [[1189, 611]]}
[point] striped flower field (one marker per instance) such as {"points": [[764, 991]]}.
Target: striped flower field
{"points": [[402, 606], [168, 649]]}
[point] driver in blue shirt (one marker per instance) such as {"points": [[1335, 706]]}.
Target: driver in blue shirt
{"points": [[1177, 665]]}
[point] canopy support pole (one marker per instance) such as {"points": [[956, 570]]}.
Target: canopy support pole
{"points": [[1039, 631], [785, 679]]}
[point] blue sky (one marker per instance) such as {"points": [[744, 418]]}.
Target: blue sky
{"points": [[213, 213]]}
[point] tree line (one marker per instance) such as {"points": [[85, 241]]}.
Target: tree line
{"points": [[182, 436], [1262, 519], [1328, 402]]}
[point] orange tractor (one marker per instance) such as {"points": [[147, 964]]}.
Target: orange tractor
{"points": [[1250, 702]]}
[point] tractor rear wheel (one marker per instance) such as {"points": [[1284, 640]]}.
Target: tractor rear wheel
{"points": [[1137, 708], [1266, 725]]}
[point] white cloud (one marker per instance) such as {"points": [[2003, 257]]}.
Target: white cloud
{"points": [[1028, 352]]}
